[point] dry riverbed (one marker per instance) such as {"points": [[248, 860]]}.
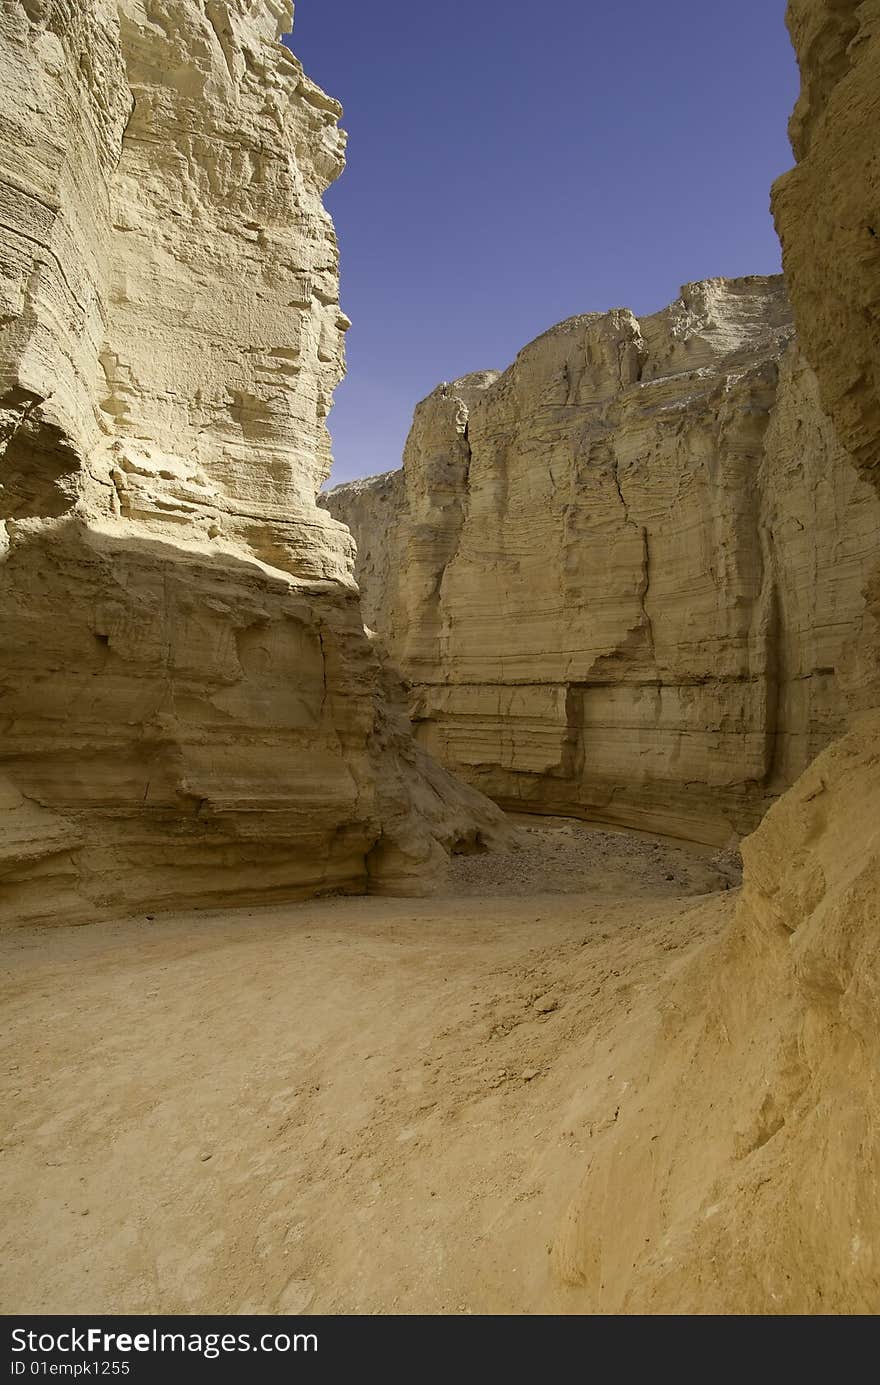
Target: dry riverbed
{"points": [[346, 1106]]}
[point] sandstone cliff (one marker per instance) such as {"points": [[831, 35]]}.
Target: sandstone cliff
{"points": [[621, 577], [190, 708]]}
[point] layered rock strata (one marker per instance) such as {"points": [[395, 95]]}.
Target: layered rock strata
{"points": [[621, 577], [190, 709]]}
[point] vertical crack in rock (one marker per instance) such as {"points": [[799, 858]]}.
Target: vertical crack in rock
{"points": [[615, 474], [644, 589], [644, 584], [214, 13]]}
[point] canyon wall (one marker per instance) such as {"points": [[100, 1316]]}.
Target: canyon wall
{"points": [[760, 1196], [621, 578], [190, 709]]}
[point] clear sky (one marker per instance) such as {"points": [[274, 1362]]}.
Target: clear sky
{"points": [[511, 164]]}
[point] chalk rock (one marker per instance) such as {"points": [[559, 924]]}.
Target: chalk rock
{"points": [[191, 710], [621, 577]]}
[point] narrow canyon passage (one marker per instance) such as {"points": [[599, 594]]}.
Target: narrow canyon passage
{"points": [[299, 1016], [353, 1105]]}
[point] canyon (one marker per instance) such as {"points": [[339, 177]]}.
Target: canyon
{"points": [[544, 1066], [624, 579]]}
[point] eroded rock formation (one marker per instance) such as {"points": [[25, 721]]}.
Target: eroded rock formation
{"points": [[621, 577], [190, 708]]}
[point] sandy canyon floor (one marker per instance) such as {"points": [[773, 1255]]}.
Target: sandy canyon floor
{"points": [[345, 1106]]}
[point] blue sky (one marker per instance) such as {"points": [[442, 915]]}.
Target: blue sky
{"points": [[511, 164]]}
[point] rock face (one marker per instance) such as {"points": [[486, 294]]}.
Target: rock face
{"points": [[748, 1120], [372, 509], [190, 708], [622, 576], [827, 213]]}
